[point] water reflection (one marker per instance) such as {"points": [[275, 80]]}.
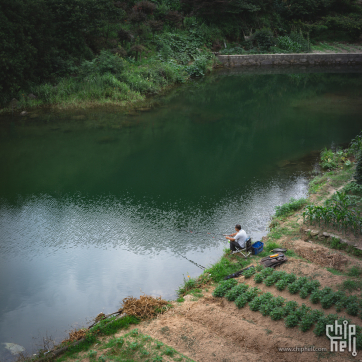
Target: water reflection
{"points": [[99, 207]]}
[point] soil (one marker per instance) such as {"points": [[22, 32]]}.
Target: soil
{"points": [[213, 329]]}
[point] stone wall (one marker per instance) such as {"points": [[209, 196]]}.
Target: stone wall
{"points": [[291, 59]]}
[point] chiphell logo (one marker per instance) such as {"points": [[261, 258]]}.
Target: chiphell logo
{"points": [[342, 336]]}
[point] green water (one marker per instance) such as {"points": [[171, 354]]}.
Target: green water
{"points": [[96, 205]]}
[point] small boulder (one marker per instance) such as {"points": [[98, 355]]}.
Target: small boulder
{"points": [[24, 113], [314, 232]]}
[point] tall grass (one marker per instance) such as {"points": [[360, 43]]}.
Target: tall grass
{"points": [[112, 79]]}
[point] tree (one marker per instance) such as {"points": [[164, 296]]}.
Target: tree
{"points": [[156, 26], [125, 36], [138, 49]]}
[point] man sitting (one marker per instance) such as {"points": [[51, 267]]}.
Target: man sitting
{"points": [[238, 239]]}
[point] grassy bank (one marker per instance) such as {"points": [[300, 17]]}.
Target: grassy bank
{"points": [[112, 80], [87, 52]]}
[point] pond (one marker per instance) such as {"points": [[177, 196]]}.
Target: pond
{"points": [[99, 205]]}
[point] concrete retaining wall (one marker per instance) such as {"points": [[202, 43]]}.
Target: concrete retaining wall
{"points": [[291, 59]]}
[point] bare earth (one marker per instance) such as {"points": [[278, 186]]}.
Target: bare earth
{"points": [[213, 329]]}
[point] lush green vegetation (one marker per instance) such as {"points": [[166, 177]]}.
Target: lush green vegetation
{"points": [[294, 315], [338, 214], [105, 51], [342, 210], [308, 287], [290, 207]]}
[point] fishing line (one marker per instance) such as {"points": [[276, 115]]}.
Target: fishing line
{"points": [[191, 261]]}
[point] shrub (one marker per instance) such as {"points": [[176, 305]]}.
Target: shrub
{"points": [[258, 278], [294, 288], [279, 301], [278, 275], [264, 39], [315, 297], [304, 293], [291, 46], [302, 310], [328, 159], [251, 293], [349, 300], [339, 306], [291, 320], [269, 281], [355, 189], [316, 315], [312, 285], [291, 206], [301, 282], [339, 296], [320, 327], [327, 301], [290, 278], [266, 296], [325, 291], [266, 308], [249, 273], [290, 307], [266, 272], [306, 323], [223, 287], [234, 292], [352, 309], [281, 284], [255, 304], [241, 301], [277, 313]]}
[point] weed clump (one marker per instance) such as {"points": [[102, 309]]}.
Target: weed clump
{"points": [[144, 307]]}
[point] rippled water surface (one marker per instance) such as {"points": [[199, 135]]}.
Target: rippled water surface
{"points": [[97, 205]]}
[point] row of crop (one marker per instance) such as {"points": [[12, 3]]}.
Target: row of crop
{"points": [[335, 216], [307, 287], [277, 308]]}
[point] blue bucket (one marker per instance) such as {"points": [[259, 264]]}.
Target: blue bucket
{"points": [[257, 247]]}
